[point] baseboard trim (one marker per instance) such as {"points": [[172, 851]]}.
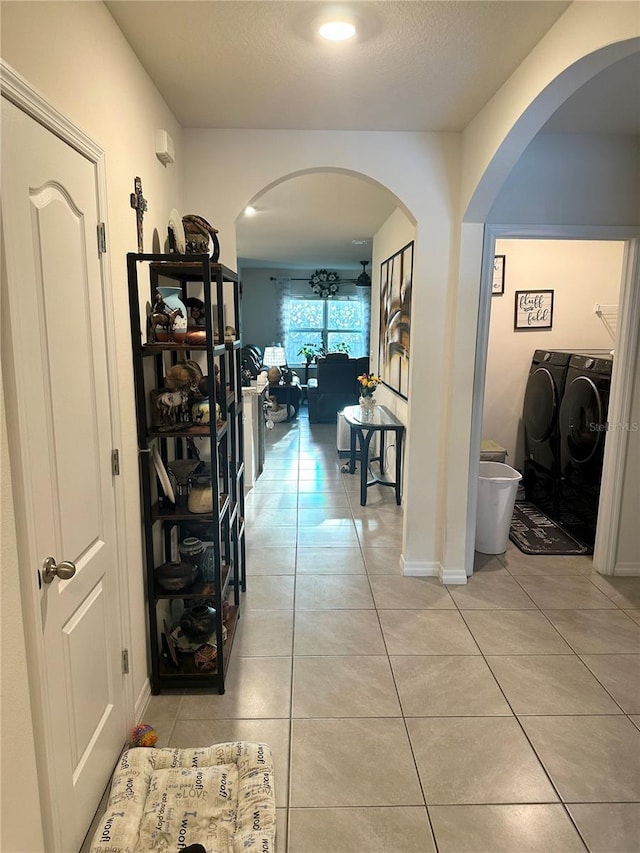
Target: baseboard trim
{"points": [[420, 568], [432, 569], [621, 570], [143, 700], [453, 576]]}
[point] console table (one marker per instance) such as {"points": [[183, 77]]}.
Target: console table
{"points": [[288, 393], [362, 428]]}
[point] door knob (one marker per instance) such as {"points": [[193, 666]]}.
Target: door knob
{"points": [[64, 570]]}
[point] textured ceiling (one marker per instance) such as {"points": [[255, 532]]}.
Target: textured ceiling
{"points": [[415, 65], [312, 221]]}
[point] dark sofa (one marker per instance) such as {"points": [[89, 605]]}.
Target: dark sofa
{"points": [[336, 386]]}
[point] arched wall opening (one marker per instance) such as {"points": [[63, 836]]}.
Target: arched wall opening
{"points": [[316, 218], [227, 169], [510, 148], [477, 240], [306, 221], [329, 170], [312, 196]]}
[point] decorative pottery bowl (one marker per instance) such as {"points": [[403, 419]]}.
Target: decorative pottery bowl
{"points": [[196, 337], [205, 530], [175, 576], [192, 551], [205, 658], [198, 623]]}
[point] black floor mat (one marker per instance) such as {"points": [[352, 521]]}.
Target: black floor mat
{"points": [[535, 533]]}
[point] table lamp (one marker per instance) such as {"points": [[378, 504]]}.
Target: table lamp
{"points": [[274, 356]]}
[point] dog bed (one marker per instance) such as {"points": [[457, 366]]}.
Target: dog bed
{"points": [[220, 796]]}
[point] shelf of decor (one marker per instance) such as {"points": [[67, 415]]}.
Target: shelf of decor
{"points": [[187, 378]]}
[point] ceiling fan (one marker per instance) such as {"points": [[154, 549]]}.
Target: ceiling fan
{"points": [[363, 280]]}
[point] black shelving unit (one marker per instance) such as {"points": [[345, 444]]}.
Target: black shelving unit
{"points": [[166, 523]]}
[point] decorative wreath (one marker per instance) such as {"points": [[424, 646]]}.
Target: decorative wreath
{"points": [[324, 283]]}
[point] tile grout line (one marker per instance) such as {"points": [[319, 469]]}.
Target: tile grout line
{"points": [[571, 652], [574, 654], [293, 640], [393, 677]]}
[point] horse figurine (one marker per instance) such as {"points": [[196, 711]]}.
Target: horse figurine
{"points": [[169, 403], [165, 319]]}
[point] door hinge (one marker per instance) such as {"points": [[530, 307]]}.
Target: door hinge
{"points": [[102, 239], [125, 661], [115, 463]]}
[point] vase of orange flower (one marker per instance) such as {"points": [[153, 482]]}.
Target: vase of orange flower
{"points": [[368, 384]]}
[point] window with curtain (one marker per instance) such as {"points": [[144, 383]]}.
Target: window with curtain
{"points": [[326, 323]]}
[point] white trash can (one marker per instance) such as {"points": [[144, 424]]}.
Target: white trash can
{"points": [[497, 489]]}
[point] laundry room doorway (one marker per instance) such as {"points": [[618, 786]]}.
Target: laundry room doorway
{"points": [[568, 292]]}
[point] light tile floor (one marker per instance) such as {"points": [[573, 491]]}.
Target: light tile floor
{"points": [[408, 717]]}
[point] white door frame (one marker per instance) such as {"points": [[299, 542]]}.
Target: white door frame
{"points": [[17, 90], [628, 336]]}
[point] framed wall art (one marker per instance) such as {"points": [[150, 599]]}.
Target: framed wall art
{"points": [[499, 266], [533, 309], [396, 277]]}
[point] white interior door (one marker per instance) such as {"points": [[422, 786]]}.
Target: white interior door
{"points": [[60, 424]]}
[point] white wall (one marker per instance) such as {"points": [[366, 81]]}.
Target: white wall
{"points": [[581, 274], [392, 236], [628, 555], [20, 830], [572, 178], [228, 169], [74, 54], [586, 39], [259, 299]]}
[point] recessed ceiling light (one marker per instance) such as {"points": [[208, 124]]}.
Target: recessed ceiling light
{"points": [[361, 242], [337, 30], [250, 210]]}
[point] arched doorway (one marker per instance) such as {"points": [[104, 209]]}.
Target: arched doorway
{"points": [[502, 176], [324, 218]]}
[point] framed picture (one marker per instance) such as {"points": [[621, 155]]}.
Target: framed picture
{"points": [[499, 265], [533, 309], [396, 276]]}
